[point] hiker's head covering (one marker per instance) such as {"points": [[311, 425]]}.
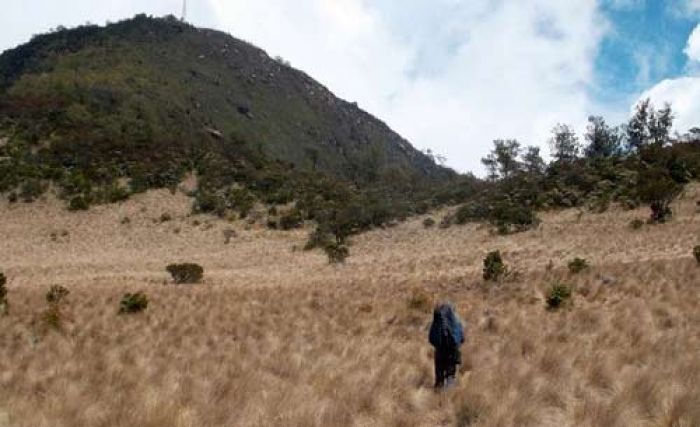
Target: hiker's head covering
{"points": [[446, 323]]}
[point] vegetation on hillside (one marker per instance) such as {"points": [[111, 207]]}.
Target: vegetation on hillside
{"points": [[104, 112], [100, 113], [639, 162]]}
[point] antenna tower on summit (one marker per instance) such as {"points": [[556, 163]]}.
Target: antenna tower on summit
{"points": [[184, 11]]}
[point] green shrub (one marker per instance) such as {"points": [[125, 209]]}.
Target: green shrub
{"points": [[494, 267], [56, 294], [240, 200], [636, 224], [31, 189], [79, 203], [577, 265], [3, 294], [506, 215], [52, 317], [559, 294], [428, 223], [318, 238], [337, 252], [133, 303], [419, 300], [208, 202], [696, 253], [291, 220], [186, 272], [229, 234]]}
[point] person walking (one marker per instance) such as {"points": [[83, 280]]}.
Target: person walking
{"points": [[446, 336]]}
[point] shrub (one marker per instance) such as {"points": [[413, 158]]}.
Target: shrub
{"points": [[636, 224], [291, 220], [446, 222], [696, 253], [577, 265], [558, 295], [494, 268], [56, 294], [318, 238], [78, 203], [186, 272], [658, 189], [229, 234], [419, 301], [53, 316], [133, 303], [165, 217], [337, 252], [428, 223], [3, 294], [506, 215]]}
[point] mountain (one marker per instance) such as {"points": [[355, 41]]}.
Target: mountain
{"points": [[106, 111]]}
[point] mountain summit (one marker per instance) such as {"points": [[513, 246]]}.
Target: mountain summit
{"points": [[146, 100]]}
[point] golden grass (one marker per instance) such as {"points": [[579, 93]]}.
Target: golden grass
{"points": [[276, 336]]}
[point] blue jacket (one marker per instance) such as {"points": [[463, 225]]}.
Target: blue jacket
{"points": [[446, 330]]}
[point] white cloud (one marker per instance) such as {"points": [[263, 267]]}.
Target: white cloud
{"points": [[684, 96], [692, 5], [692, 50], [682, 93], [450, 75]]}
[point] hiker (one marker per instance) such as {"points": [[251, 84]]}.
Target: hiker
{"points": [[446, 335]]}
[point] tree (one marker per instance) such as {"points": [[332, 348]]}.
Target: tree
{"points": [[564, 143], [658, 189], [532, 161], [502, 161], [602, 140], [660, 123], [638, 126]]}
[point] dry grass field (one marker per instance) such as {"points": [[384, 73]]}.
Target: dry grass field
{"points": [[277, 337]]}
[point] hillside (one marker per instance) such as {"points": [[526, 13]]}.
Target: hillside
{"points": [[103, 112], [276, 336]]}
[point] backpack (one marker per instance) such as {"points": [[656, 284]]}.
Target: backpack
{"points": [[446, 331]]}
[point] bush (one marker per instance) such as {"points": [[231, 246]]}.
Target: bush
{"points": [[186, 272], [229, 234], [577, 265], [133, 303], [56, 294], [337, 253], [3, 294], [696, 253], [318, 238], [428, 223], [419, 301], [78, 203], [53, 316], [636, 224], [291, 220], [558, 295], [658, 189], [494, 268], [506, 215]]}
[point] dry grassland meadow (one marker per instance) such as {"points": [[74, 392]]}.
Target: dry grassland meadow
{"points": [[275, 336]]}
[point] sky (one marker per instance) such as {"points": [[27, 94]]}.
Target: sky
{"points": [[449, 75]]}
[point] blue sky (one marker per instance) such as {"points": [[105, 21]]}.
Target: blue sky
{"points": [[644, 46], [450, 75]]}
